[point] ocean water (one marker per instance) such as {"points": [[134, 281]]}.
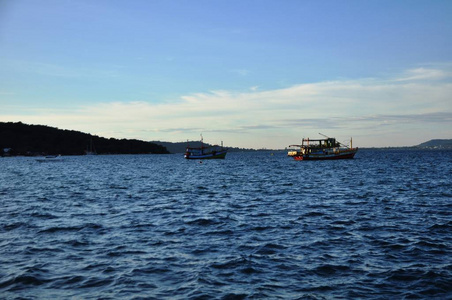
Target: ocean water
{"points": [[252, 226]]}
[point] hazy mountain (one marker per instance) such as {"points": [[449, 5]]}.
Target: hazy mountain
{"points": [[179, 147], [437, 144]]}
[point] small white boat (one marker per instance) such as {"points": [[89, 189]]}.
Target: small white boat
{"points": [[50, 158]]}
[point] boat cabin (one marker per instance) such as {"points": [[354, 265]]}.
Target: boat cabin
{"points": [[319, 143], [309, 146]]}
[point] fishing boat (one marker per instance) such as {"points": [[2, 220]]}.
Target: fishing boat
{"points": [[206, 152], [322, 149]]}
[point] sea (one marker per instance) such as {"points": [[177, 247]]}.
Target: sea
{"points": [[256, 225]]}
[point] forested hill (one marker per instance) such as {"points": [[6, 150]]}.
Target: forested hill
{"points": [[23, 139], [437, 144]]}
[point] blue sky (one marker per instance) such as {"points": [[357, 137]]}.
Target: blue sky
{"points": [[250, 73]]}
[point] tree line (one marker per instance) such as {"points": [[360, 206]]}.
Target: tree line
{"points": [[23, 139]]}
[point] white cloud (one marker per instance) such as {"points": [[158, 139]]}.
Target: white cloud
{"points": [[423, 74], [377, 111]]}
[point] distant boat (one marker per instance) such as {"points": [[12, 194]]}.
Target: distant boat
{"points": [[50, 158], [206, 152], [322, 149]]}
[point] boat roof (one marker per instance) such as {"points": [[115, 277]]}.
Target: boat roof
{"points": [[318, 140]]}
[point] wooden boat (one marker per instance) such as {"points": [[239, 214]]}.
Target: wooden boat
{"points": [[206, 152], [322, 149]]}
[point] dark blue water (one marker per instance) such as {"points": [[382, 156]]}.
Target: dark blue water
{"points": [[251, 226]]}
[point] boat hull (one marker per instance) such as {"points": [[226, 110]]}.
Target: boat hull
{"points": [[348, 154], [216, 155]]}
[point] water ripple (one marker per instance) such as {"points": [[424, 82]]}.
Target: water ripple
{"points": [[251, 226]]}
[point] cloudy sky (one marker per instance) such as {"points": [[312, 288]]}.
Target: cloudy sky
{"points": [[254, 74]]}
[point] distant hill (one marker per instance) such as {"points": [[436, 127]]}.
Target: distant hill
{"points": [[179, 147], [437, 144], [23, 139]]}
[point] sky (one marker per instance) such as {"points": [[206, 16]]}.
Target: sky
{"points": [[253, 74]]}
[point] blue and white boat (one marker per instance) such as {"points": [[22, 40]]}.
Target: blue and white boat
{"points": [[206, 152]]}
